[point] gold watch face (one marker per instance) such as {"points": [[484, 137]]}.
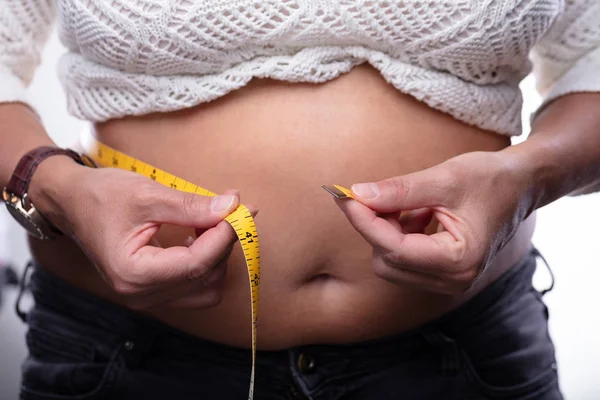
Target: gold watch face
{"points": [[5, 195], [28, 219]]}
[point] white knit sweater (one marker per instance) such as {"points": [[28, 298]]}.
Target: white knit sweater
{"points": [[463, 57]]}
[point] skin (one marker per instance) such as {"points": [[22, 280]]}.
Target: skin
{"points": [[552, 164], [138, 266], [341, 287]]}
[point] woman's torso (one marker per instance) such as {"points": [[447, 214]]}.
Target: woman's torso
{"points": [[278, 143]]}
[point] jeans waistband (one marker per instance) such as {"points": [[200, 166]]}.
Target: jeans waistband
{"points": [[51, 292]]}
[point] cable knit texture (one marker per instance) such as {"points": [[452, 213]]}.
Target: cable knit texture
{"points": [[463, 57]]}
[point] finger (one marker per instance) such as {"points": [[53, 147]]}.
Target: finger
{"points": [[415, 221], [377, 231], [190, 210], [209, 294], [234, 192], [253, 211], [427, 188], [393, 219], [157, 266], [439, 254], [413, 279], [251, 207], [415, 251], [163, 298], [189, 241]]}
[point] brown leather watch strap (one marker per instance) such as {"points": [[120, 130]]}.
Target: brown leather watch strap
{"points": [[19, 181]]}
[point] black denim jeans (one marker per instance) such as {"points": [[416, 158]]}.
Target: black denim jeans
{"points": [[496, 346]]}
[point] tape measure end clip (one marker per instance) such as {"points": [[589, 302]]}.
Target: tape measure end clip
{"points": [[337, 192]]}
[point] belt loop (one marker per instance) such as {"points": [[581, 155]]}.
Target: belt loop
{"points": [[449, 352], [536, 253], [23, 286]]}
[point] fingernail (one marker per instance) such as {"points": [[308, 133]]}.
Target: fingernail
{"points": [[222, 203], [366, 190]]}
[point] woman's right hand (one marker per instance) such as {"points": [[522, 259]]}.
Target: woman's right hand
{"points": [[114, 216]]}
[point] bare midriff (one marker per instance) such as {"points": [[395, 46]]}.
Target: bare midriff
{"points": [[278, 143]]}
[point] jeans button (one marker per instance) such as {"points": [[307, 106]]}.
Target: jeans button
{"points": [[306, 364]]}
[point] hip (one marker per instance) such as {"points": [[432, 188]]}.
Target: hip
{"points": [[494, 346]]}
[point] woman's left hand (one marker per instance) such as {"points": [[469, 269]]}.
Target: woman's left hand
{"points": [[478, 199]]}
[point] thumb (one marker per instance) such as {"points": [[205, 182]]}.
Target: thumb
{"points": [[427, 188], [192, 210]]}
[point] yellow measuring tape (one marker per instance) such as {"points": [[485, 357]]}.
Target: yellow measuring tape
{"points": [[241, 219]]}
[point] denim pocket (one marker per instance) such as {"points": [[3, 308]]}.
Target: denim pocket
{"points": [[65, 364], [541, 383], [509, 353]]}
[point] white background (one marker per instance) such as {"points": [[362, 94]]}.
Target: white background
{"points": [[567, 234]]}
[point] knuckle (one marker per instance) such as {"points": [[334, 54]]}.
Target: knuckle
{"points": [[131, 280], [451, 170], [145, 192], [188, 205], [216, 276], [389, 259], [382, 269], [456, 256], [142, 198], [212, 298], [137, 276], [460, 271], [465, 279], [447, 178], [200, 271], [121, 283], [192, 204]]}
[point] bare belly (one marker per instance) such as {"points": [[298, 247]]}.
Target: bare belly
{"points": [[277, 143]]}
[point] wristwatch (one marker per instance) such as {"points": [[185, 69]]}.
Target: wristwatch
{"points": [[15, 193]]}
